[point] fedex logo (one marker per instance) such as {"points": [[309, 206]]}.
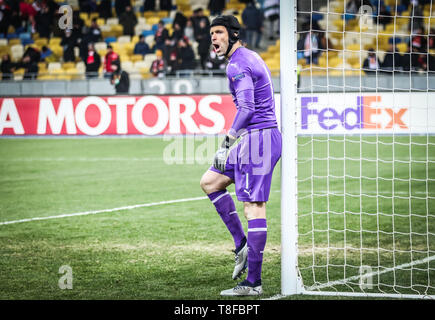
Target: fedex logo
{"points": [[367, 114]]}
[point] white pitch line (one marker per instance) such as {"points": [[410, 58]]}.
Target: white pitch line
{"points": [[344, 281], [152, 204]]}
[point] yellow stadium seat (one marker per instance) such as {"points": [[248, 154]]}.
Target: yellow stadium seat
{"points": [[136, 57], [41, 42], [68, 65], [55, 41], [402, 47], [13, 42]]}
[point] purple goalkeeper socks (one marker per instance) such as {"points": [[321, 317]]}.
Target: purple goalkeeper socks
{"points": [[226, 208], [257, 235]]}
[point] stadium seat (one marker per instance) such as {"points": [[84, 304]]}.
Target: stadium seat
{"points": [[68, 65], [402, 47], [146, 33], [127, 66], [110, 39], [150, 40], [17, 51], [41, 42], [142, 64], [136, 57], [14, 41], [54, 66], [124, 39], [112, 21], [100, 46], [117, 30]]}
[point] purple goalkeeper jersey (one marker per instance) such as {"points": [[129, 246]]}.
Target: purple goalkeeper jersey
{"points": [[251, 86]]}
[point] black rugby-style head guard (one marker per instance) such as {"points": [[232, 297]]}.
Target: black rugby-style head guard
{"points": [[233, 28]]}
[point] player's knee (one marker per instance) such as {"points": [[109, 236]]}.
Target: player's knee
{"points": [[206, 183], [255, 210]]}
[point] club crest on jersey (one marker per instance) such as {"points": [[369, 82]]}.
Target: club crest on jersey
{"points": [[238, 77]]}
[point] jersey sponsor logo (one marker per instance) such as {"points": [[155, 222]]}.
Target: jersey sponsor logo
{"points": [[238, 77]]}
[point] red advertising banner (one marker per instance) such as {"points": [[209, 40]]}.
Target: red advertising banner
{"points": [[113, 115]]}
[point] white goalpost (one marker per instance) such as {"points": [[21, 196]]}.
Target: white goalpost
{"points": [[358, 157]]}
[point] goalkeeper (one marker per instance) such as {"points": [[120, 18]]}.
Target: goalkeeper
{"points": [[250, 163]]}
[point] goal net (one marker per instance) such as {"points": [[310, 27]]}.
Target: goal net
{"points": [[361, 107]]}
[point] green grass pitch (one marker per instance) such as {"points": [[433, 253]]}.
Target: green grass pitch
{"points": [[182, 250]]}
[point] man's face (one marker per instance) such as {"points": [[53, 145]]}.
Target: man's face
{"points": [[219, 39]]}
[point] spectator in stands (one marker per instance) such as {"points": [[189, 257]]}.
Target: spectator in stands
{"points": [[216, 63], [128, 20], [105, 9], [30, 68], [188, 31], [92, 62], [119, 78], [94, 32], [158, 66], [311, 47], [47, 55], [271, 14], [204, 41], [69, 41], [7, 67], [371, 63], [181, 19], [161, 36], [392, 60], [44, 20], [120, 6], [197, 17], [33, 53], [5, 17], [149, 5], [253, 18], [27, 14], [178, 33], [109, 58], [141, 46], [419, 60], [352, 6], [417, 20], [185, 56], [216, 7], [431, 44], [165, 5], [170, 54], [418, 40], [384, 15]]}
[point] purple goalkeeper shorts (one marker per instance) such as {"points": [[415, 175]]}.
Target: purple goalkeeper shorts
{"points": [[250, 164]]}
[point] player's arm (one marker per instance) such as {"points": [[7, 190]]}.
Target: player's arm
{"points": [[243, 97]]}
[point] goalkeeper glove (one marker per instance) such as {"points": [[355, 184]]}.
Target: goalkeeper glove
{"points": [[221, 155]]}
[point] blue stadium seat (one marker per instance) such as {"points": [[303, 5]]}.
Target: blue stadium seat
{"points": [[148, 33], [110, 39], [12, 36], [170, 20], [25, 36], [25, 42]]}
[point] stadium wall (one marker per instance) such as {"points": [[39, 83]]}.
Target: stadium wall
{"points": [[212, 85]]}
